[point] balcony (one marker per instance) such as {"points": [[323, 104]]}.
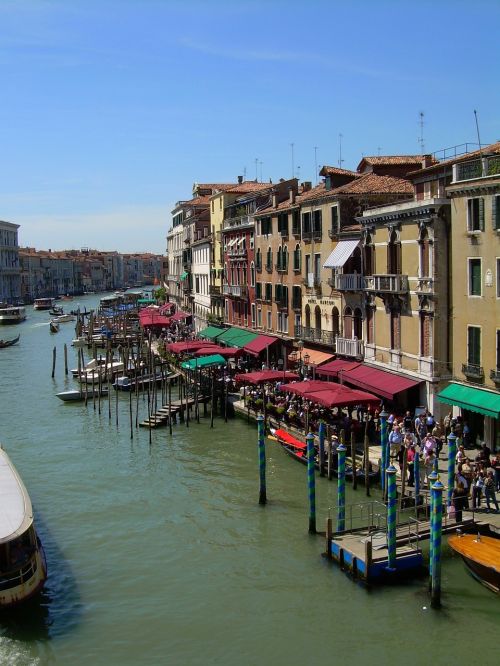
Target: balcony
{"points": [[479, 168], [315, 335], [297, 304], [296, 232], [333, 234], [281, 303], [238, 222], [214, 290], [237, 252], [472, 371], [425, 285], [495, 375], [173, 278], [387, 284], [235, 290], [281, 268], [349, 347], [347, 282], [309, 236]]}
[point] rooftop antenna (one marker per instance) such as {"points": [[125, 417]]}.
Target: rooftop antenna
{"points": [[256, 165], [421, 138], [477, 130], [260, 163], [340, 151], [316, 163], [293, 165]]}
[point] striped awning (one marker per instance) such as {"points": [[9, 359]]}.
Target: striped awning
{"points": [[341, 254]]}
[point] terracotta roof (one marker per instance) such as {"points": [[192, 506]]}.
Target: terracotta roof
{"points": [[492, 148], [282, 206], [248, 186], [213, 186], [197, 201], [392, 160], [335, 171], [370, 183]]}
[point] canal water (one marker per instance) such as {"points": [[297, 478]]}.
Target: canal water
{"points": [[159, 553]]}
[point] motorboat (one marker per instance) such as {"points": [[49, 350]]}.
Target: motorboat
{"points": [[23, 568], [43, 303], [56, 311], [79, 342], [76, 395], [61, 319], [481, 555], [12, 314], [53, 327]]}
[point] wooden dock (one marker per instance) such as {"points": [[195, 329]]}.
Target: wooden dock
{"points": [[362, 551], [162, 415]]}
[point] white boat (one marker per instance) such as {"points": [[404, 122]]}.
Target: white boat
{"points": [[12, 314], [43, 303], [23, 569], [60, 319], [92, 374], [79, 342], [75, 395]]}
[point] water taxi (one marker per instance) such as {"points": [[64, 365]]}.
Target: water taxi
{"points": [[481, 555], [12, 314], [43, 303], [23, 569]]}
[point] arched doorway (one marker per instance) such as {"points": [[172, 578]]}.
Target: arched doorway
{"points": [[348, 323], [335, 322], [317, 320], [308, 316], [394, 255], [357, 324]]}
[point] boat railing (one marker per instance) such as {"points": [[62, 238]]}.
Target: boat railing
{"points": [[8, 581]]}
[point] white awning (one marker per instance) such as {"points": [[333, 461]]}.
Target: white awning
{"points": [[341, 254]]}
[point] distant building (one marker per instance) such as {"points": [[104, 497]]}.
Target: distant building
{"points": [[10, 271]]}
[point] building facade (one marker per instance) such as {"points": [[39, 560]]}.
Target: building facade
{"points": [[10, 270]]}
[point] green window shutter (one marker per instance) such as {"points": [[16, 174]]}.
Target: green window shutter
{"points": [[495, 210], [481, 214], [475, 277], [474, 346]]}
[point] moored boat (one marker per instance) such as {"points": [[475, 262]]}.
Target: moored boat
{"points": [[60, 319], [54, 327], [23, 569], [12, 314], [9, 343], [481, 555], [43, 303], [56, 311], [75, 395]]}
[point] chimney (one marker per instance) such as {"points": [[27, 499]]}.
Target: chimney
{"points": [[427, 161], [291, 195], [275, 199], [306, 186], [240, 180]]}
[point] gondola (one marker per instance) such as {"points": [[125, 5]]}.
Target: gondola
{"points": [[54, 327], [56, 311], [9, 343], [296, 449]]}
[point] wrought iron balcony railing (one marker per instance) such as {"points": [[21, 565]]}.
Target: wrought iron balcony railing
{"points": [[390, 284], [473, 371]]}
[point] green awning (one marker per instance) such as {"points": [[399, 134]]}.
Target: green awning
{"points": [[236, 337], [473, 399], [146, 301], [204, 362], [211, 332], [184, 275]]}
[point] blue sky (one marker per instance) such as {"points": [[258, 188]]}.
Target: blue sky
{"points": [[111, 109]]}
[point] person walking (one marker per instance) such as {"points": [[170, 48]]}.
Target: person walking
{"points": [[489, 491]]}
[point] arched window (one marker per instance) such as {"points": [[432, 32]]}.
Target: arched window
{"points": [[358, 324], [335, 321], [258, 260], [369, 251], [370, 321], [285, 258], [297, 258], [308, 316], [348, 323], [394, 255], [252, 274], [269, 260], [279, 260], [317, 318], [424, 253]]}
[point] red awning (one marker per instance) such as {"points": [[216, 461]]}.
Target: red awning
{"points": [[258, 345], [152, 318], [384, 384], [167, 308], [179, 315], [342, 396], [301, 388], [333, 368], [266, 376], [188, 346], [226, 352]]}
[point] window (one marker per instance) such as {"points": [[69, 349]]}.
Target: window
{"points": [[473, 345], [370, 319], [251, 240], [269, 291], [475, 214], [296, 223], [253, 315], [474, 277], [283, 322], [498, 351], [306, 223], [283, 224], [258, 260], [258, 290], [266, 225], [317, 223], [498, 278], [220, 203], [285, 258], [269, 319], [269, 260], [259, 318], [335, 220], [317, 267], [297, 259], [297, 298]]}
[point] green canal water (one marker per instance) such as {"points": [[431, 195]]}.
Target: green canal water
{"points": [[159, 553]]}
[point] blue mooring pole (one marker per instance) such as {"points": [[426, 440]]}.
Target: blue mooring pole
{"points": [[311, 482], [436, 530], [431, 480], [262, 459], [341, 449], [452, 455], [383, 442], [321, 436], [391, 518]]}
